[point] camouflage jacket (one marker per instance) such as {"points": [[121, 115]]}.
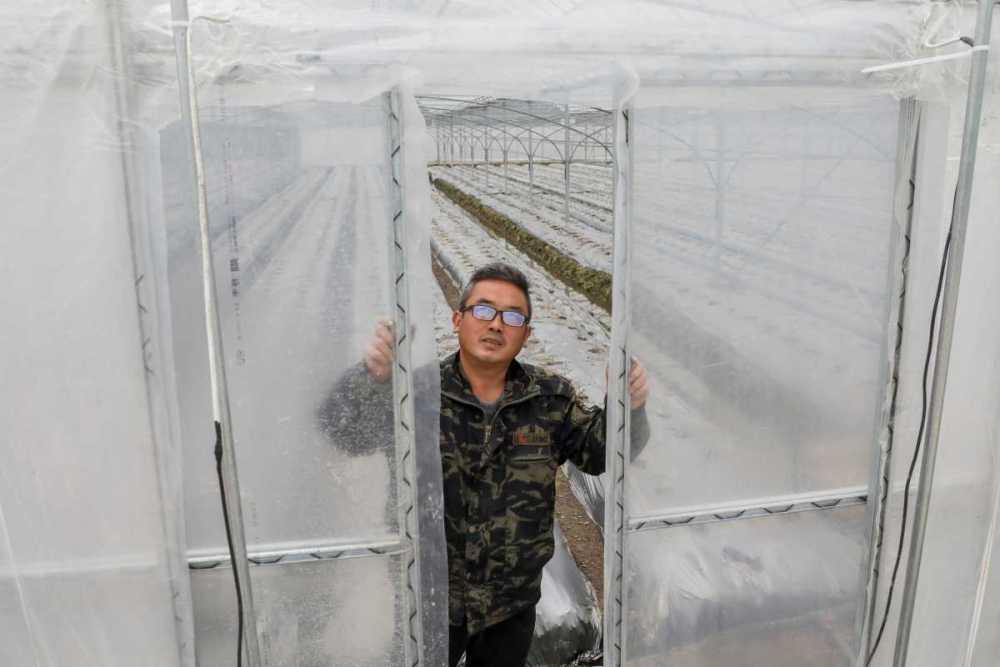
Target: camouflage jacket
{"points": [[499, 484], [499, 477]]}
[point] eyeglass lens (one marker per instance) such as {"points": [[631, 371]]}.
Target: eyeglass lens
{"points": [[511, 318]]}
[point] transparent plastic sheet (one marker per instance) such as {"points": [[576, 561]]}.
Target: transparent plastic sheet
{"points": [[589, 490], [775, 590], [301, 204], [762, 233], [316, 613], [966, 475], [531, 49], [568, 621], [90, 564], [766, 327], [297, 304]]}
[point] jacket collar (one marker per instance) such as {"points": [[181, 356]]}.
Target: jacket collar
{"points": [[454, 383]]}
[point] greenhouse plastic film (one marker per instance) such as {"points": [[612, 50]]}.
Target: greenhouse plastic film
{"points": [[314, 613], [768, 342], [90, 568], [541, 51], [301, 212], [776, 590], [764, 336], [767, 383], [954, 580]]}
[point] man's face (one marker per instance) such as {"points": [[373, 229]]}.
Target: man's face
{"points": [[492, 342]]}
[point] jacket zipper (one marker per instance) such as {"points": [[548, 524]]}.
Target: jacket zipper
{"points": [[489, 427]]}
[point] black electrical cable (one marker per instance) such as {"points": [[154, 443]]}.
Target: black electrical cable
{"points": [[229, 540], [919, 443]]}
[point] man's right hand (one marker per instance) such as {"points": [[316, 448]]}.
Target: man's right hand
{"points": [[379, 355]]}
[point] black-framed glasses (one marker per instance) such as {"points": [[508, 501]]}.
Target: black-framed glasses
{"points": [[487, 313]]}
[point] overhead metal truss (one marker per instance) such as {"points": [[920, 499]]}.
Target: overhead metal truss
{"points": [[484, 132], [469, 129]]}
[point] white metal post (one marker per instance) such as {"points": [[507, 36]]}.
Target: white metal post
{"points": [[618, 410], [506, 148], [949, 302], [225, 446], [437, 127], [506, 169], [566, 120], [486, 155], [531, 166]]}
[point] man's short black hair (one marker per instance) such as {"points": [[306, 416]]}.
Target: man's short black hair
{"points": [[498, 271]]}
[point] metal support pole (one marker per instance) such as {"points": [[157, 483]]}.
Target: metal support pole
{"points": [[506, 170], [437, 126], [906, 161], [168, 471], [949, 302], [618, 438], [505, 147], [531, 168], [216, 355], [566, 166], [486, 156], [402, 384]]}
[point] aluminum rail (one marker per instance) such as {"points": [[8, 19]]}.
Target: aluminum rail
{"points": [[213, 329], [949, 302], [292, 553], [618, 431], [402, 380], [748, 509], [884, 436]]}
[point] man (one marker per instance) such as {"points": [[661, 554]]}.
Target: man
{"points": [[505, 429]]}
